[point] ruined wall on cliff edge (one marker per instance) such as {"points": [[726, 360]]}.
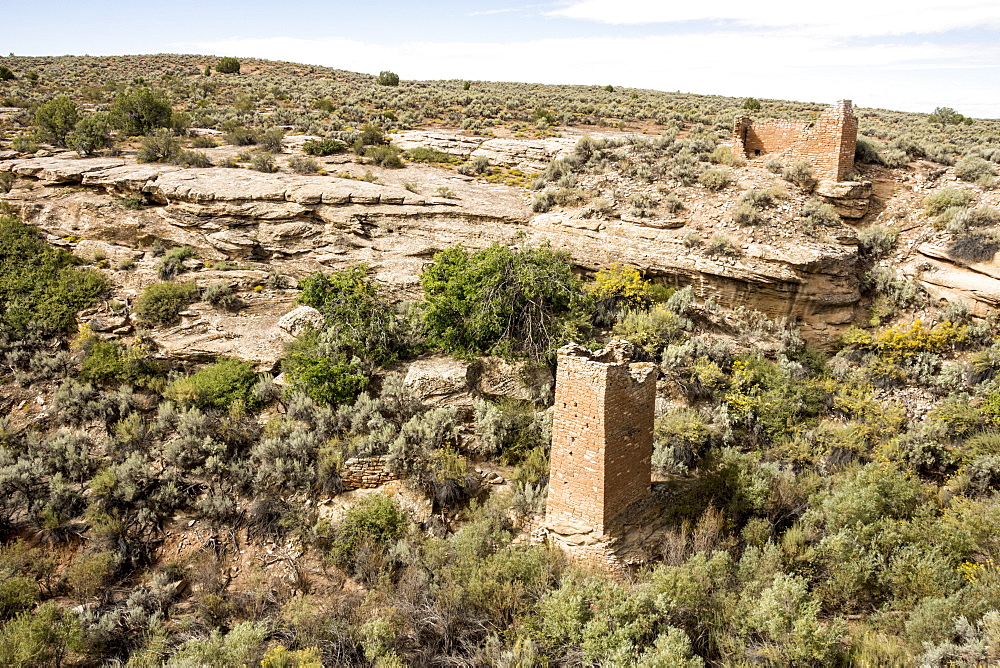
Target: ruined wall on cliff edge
{"points": [[828, 143]]}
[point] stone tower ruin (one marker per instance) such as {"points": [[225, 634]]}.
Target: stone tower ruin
{"points": [[602, 438], [828, 143]]}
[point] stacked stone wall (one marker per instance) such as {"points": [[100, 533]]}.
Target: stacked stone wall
{"points": [[366, 472], [602, 439], [828, 143]]}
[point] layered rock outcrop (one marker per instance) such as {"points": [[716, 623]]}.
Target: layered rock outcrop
{"points": [[307, 223]]}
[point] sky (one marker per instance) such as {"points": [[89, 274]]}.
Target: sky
{"points": [[908, 56]]}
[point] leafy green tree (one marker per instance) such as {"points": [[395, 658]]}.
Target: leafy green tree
{"points": [[501, 300], [228, 65], [39, 283], [947, 116], [92, 133], [350, 301], [387, 78], [751, 104], [139, 111], [360, 331], [6, 74], [57, 118]]}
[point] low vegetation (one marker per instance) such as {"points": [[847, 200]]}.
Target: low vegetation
{"points": [[824, 508]]}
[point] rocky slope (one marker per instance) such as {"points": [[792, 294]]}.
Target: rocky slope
{"points": [[296, 224]]}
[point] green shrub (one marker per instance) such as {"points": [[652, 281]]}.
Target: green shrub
{"points": [[7, 180], [477, 166], [241, 136], [42, 638], [746, 213], [801, 174], [92, 133], [39, 283], [385, 156], [191, 159], [204, 141], [57, 118], [350, 301], [500, 300], [161, 303], [867, 150], [111, 363], [387, 78], [876, 241], [270, 140], [723, 155], [218, 385], [374, 522], [140, 111], [361, 331], [715, 179], [371, 135], [263, 162], [6, 74], [162, 146], [228, 65], [757, 197], [17, 593], [973, 168], [818, 213], [91, 572], [220, 294], [172, 262], [426, 154], [941, 200], [323, 371], [301, 165], [723, 244], [323, 147], [25, 143]]}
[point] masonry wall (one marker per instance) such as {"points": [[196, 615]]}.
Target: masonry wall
{"points": [[828, 143], [602, 438], [366, 472]]}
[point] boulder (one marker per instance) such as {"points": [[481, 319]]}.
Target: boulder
{"points": [[59, 170], [205, 334], [299, 319], [851, 199], [438, 378], [977, 284], [498, 378]]}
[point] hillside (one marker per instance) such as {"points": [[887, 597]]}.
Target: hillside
{"points": [[279, 353]]}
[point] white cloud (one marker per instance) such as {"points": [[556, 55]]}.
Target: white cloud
{"points": [[881, 17], [778, 64], [504, 10]]}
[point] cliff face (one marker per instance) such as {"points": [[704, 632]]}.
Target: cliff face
{"points": [[301, 224]]}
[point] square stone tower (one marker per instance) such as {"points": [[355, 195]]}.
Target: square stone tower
{"points": [[602, 438]]}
